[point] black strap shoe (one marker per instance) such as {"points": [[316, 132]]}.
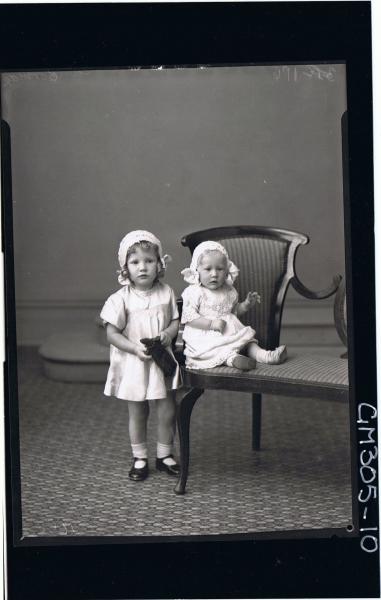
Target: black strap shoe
{"points": [[139, 474], [170, 469]]}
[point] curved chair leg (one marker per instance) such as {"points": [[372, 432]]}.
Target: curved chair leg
{"points": [[184, 411], [256, 421]]}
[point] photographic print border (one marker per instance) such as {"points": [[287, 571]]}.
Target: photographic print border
{"points": [[22, 539], [358, 218]]}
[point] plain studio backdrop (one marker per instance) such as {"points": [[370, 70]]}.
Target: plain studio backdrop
{"points": [[96, 154]]}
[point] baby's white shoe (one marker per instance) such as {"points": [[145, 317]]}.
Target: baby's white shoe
{"points": [[274, 357]]}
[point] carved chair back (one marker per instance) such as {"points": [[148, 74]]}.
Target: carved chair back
{"points": [[266, 259]]}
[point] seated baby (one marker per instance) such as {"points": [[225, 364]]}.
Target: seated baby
{"points": [[213, 333]]}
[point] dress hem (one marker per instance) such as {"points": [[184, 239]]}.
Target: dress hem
{"points": [[143, 399]]}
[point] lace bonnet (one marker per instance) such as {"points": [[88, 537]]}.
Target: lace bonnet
{"points": [[134, 237], [191, 274]]}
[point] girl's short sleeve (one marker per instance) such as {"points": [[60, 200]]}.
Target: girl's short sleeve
{"points": [[173, 305], [191, 304], [114, 312]]}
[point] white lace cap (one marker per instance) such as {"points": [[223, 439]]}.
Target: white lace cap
{"points": [[191, 275], [135, 237]]}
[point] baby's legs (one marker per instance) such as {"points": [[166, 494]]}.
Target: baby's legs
{"points": [[269, 357], [137, 426], [241, 362], [166, 427]]}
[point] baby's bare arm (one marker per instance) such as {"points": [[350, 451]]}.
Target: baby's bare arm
{"points": [[208, 324], [117, 339], [200, 323], [251, 299]]}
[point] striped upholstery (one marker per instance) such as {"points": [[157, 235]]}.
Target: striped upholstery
{"points": [[263, 264], [319, 369]]}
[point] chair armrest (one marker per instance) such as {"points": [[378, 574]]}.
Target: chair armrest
{"points": [[311, 295]]}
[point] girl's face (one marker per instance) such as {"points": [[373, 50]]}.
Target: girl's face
{"points": [[143, 268], [213, 270]]}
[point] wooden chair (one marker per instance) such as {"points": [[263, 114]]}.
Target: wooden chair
{"points": [[266, 258]]}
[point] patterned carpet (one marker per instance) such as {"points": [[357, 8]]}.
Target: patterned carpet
{"points": [[75, 457]]}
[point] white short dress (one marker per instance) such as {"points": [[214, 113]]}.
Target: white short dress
{"points": [[205, 349], [139, 315]]}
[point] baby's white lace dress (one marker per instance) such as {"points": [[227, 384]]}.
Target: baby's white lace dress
{"points": [[205, 349]]}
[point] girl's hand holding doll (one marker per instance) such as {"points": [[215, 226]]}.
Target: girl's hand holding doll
{"points": [[117, 339], [141, 352], [165, 339]]}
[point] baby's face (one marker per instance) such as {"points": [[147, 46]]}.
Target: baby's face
{"points": [[142, 268], [213, 270]]}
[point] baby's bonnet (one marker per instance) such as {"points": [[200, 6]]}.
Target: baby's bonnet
{"points": [[191, 274]]}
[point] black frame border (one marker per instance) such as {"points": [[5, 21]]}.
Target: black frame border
{"points": [[58, 37]]}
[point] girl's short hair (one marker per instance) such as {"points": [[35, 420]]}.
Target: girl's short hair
{"points": [[143, 245]]}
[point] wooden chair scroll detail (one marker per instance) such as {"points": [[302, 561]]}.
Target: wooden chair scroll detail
{"points": [[340, 315]]}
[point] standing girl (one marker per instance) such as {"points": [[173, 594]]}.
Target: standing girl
{"points": [[143, 308], [213, 333]]}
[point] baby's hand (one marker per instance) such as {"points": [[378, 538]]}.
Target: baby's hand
{"points": [[165, 339], [141, 352], [251, 299], [218, 325]]}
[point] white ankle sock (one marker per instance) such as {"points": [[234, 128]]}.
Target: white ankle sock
{"points": [[164, 450], [140, 451]]}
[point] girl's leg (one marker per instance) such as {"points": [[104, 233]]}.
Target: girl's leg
{"points": [[166, 418], [166, 414], [269, 357], [137, 426]]}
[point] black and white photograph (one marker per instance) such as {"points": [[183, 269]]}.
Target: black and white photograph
{"points": [[179, 297], [244, 166]]}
